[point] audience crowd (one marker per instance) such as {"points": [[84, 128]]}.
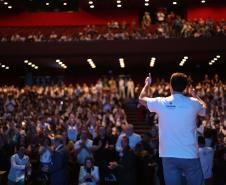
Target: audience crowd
{"points": [[79, 134], [172, 26]]}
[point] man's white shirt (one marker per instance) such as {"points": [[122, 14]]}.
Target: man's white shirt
{"points": [[177, 125]]}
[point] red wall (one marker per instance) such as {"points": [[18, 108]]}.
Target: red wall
{"points": [[66, 18], [217, 13]]}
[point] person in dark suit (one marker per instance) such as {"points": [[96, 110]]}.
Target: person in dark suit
{"points": [[126, 167], [58, 170]]}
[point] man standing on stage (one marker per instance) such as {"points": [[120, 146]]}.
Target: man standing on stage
{"points": [[178, 145]]}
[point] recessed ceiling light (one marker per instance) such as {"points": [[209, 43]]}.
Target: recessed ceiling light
{"points": [[9, 7], [203, 1], [25, 61], [32, 65], [29, 63], [119, 5], [7, 67], [90, 2], [174, 3], [218, 56], [36, 67], [92, 6], [146, 4], [5, 3], [118, 1], [146, 0], [186, 57], [57, 60], [47, 3], [65, 3]]}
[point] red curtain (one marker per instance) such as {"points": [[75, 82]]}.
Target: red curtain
{"points": [[67, 18], [217, 13]]}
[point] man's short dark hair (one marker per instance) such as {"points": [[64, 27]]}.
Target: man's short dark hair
{"points": [[179, 81]]}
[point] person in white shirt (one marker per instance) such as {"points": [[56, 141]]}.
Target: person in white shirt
{"points": [[206, 155], [20, 167], [178, 145], [72, 129], [45, 153], [83, 147], [130, 88], [89, 174], [122, 88], [134, 139]]}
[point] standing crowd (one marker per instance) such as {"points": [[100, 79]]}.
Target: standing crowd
{"points": [[67, 135]]}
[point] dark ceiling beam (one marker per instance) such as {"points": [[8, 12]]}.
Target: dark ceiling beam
{"points": [[124, 47]]}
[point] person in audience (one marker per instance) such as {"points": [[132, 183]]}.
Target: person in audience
{"points": [[58, 169], [83, 147], [126, 167], [206, 155], [89, 174], [20, 167], [134, 139], [130, 88], [45, 153]]}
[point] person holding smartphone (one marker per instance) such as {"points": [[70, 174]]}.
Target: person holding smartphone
{"points": [[89, 174], [177, 114]]}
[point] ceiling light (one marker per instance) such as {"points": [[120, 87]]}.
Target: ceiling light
{"points": [[25, 61], [146, 4], [218, 56], [118, 1], [7, 67], [174, 3], [92, 6], [153, 58], [9, 7], [47, 3], [29, 63], [5, 3], [186, 57], [203, 1], [119, 5], [32, 65], [65, 3], [3, 66], [36, 67], [146, 0], [215, 59], [90, 2]]}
